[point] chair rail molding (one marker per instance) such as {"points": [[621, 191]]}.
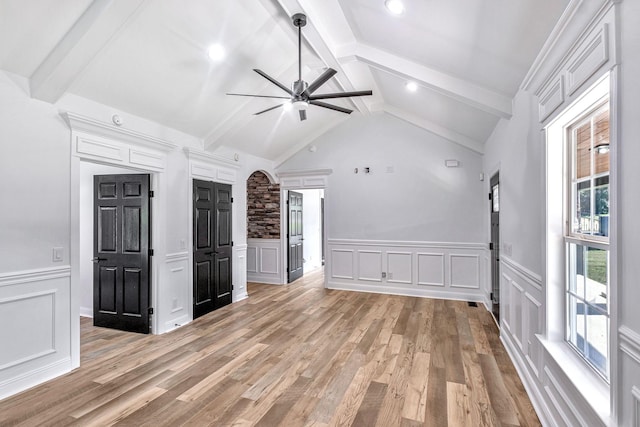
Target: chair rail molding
{"points": [[629, 343]]}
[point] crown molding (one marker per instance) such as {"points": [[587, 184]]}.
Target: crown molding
{"points": [[80, 123], [214, 159]]}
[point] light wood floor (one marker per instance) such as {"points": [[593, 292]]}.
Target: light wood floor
{"points": [[295, 355]]}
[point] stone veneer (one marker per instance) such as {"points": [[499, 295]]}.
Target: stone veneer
{"points": [[263, 207]]}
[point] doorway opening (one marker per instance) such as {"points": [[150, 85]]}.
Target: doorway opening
{"points": [[97, 268], [305, 232], [494, 245]]}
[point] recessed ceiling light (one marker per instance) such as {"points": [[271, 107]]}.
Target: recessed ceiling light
{"points": [[216, 52], [411, 86], [394, 6]]}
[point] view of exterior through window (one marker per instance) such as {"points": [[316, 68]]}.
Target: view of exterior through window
{"points": [[587, 239]]}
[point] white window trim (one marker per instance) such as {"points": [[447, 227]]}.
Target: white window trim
{"points": [[595, 390]]}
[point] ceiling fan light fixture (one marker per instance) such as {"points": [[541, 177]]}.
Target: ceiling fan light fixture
{"points": [[299, 105], [216, 52], [394, 6]]}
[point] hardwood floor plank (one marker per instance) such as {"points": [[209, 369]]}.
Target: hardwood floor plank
{"points": [[367, 414], [292, 355]]}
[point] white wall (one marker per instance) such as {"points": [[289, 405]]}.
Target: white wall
{"points": [[517, 149], [34, 179], [409, 194], [35, 291], [411, 225], [629, 206]]}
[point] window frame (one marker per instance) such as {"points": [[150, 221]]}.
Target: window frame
{"points": [[571, 237]]}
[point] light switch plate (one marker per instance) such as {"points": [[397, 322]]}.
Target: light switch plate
{"points": [[58, 254]]}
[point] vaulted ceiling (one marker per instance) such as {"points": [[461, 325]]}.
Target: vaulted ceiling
{"points": [[149, 58]]}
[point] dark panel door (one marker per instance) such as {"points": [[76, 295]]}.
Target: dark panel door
{"points": [[121, 279], [203, 251], [223, 250], [495, 246], [212, 245], [294, 235]]}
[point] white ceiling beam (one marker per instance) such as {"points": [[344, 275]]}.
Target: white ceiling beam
{"points": [[454, 87], [99, 24], [435, 129]]}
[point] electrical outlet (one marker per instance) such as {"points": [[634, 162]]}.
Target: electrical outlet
{"points": [[390, 276], [384, 275]]}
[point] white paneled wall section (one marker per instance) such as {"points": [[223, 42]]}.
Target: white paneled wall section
{"points": [[264, 258], [425, 269], [38, 348]]}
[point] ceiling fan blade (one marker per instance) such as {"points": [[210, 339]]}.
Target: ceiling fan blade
{"points": [[322, 79], [341, 95], [274, 81], [259, 96], [268, 109], [303, 115], [331, 107]]}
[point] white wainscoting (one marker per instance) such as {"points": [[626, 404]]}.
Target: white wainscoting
{"points": [[553, 390], [35, 309], [239, 273], [175, 303], [264, 261], [426, 269]]}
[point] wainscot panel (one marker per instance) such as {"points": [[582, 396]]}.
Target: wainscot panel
{"points": [[239, 273], [175, 304], [426, 269], [38, 345], [263, 261]]}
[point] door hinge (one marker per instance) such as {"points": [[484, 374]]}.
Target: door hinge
{"points": [[232, 287], [150, 310], [287, 201], [151, 193], [490, 246], [489, 196], [232, 243], [150, 252], [232, 200], [491, 296]]}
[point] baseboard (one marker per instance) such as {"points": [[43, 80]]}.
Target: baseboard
{"points": [[175, 323], [86, 312], [33, 378], [409, 292], [240, 297], [270, 280]]}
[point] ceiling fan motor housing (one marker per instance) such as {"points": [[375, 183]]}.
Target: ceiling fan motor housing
{"points": [[298, 87]]}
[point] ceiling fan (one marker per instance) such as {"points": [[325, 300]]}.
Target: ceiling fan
{"points": [[301, 93]]}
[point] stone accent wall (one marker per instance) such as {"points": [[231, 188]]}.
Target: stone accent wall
{"points": [[263, 207]]}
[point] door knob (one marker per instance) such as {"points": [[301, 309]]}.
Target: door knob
{"points": [[210, 253], [98, 259]]}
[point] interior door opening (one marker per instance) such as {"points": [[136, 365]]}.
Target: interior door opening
{"points": [[87, 170], [494, 245], [212, 246], [305, 232]]}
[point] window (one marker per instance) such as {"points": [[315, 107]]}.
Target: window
{"points": [[587, 238]]}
